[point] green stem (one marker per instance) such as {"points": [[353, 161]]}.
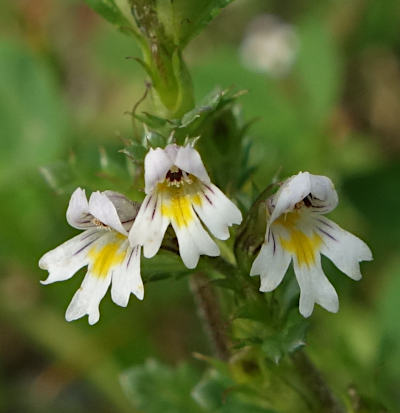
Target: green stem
{"points": [[327, 401], [209, 311]]}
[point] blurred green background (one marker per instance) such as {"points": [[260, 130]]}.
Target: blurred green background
{"points": [[65, 84]]}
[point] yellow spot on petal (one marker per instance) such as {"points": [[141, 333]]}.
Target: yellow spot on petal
{"points": [[196, 199], [179, 210], [288, 220], [106, 257], [304, 247]]}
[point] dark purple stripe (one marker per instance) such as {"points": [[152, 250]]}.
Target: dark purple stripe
{"points": [[208, 199], [128, 220], [154, 209], [327, 234], [325, 223], [148, 201], [273, 240], [91, 232], [89, 243], [209, 188], [129, 259]]}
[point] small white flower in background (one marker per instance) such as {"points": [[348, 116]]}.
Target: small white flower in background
{"points": [[298, 231], [179, 192], [103, 247], [269, 46]]}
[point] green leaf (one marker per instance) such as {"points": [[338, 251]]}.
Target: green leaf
{"points": [[219, 394], [209, 392], [135, 150], [116, 12], [152, 121], [238, 406], [273, 349], [208, 104], [154, 387], [184, 19], [163, 265], [288, 339], [155, 140]]}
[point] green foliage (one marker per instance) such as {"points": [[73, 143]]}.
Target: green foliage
{"points": [[115, 12], [372, 191], [164, 265], [219, 393], [320, 88], [184, 19], [286, 340], [154, 387], [32, 114], [217, 124], [59, 109]]}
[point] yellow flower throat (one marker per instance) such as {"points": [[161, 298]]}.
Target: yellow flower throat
{"points": [[105, 258], [178, 196], [303, 246]]}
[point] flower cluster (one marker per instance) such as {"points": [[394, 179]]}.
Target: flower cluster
{"points": [[179, 192]]}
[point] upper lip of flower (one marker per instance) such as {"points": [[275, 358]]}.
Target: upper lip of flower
{"points": [[106, 209], [158, 163], [311, 191]]}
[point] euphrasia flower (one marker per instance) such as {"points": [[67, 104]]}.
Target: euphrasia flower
{"points": [[269, 45], [104, 247], [179, 192], [298, 231]]}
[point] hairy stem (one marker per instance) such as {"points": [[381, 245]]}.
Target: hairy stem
{"points": [[328, 403], [210, 313]]}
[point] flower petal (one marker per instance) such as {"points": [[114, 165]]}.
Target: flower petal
{"points": [[126, 278], [87, 299], [293, 190], [344, 249], [271, 263], [189, 160], [78, 215], [101, 207], [314, 288], [171, 150], [193, 241], [216, 211], [156, 165], [105, 256], [126, 209], [324, 191], [65, 260], [150, 225]]}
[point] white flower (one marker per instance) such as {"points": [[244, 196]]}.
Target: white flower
{"points": [[179, 191], [103, 247], [298, 230], [269, 45]]}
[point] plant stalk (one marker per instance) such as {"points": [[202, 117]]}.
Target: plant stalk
{"points": [[210, 314], [328, 402]]}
